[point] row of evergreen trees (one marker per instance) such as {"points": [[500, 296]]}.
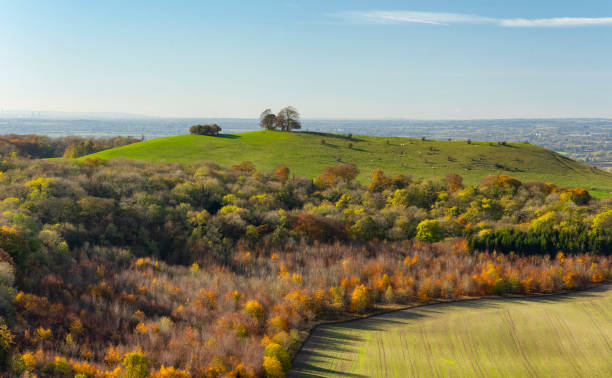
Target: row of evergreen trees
{"points": [[547, 240]]}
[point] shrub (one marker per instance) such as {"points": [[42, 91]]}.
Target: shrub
{"points": [[379, 181], [578, 196], [170, 372], [454, 182], [317, 228], [281, 172], [58, 368], [244, 167], [346, 172]]}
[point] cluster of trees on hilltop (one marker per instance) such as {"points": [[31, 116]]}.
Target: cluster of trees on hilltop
{"points": [[42, 146], [212, 130], [287, 119], [121, 268]]}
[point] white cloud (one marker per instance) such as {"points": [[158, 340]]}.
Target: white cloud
{"points": [[440, 18], [552, 22], [388, 17]]}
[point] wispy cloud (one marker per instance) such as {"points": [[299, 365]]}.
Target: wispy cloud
{"points": [[392, 17], [439, 18], [559, 21]]}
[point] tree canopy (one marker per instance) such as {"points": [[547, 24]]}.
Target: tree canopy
{"points": [[213, 129], [267, 120], [287, 119]]}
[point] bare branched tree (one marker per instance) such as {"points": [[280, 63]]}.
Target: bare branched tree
{"points": [[288, 119]]}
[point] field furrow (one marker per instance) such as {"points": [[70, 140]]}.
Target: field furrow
{"points": [[563, 336]]}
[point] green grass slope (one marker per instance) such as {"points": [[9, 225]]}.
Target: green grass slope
{"points": [[306, 155], [560, 336]]}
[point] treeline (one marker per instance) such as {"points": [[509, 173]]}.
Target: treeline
{"points": [[41, 146], [546, 240], [184, 213]]}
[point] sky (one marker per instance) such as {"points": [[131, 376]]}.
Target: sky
{"points": [[330, 59]]}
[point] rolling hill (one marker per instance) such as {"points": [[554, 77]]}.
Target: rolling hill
{"points": [[308, 153]]}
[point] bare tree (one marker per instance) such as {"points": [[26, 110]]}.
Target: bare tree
{"points": [[288, 119]]}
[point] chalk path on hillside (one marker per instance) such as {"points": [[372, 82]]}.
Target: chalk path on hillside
{"points": [[566, 335]]}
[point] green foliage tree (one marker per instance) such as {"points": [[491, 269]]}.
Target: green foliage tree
{"points": [[603, 222], [136, 365], [6, 346], [365, 229], [267, 120], [211, 130], [429, 230], [278, 352]]}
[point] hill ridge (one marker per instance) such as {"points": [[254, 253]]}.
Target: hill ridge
{"points": [[307, 153]]}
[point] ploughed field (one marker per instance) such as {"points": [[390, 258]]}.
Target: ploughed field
{"points": [[554, 336], [306, 154]]}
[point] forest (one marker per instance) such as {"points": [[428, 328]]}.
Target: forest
{"points": [[42, 146], [131, 268]]}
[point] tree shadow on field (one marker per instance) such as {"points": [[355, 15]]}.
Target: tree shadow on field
{"points": [[315, 371], [327, 144], [586, 294], [353, 138], [325, 343], [229, 136]]}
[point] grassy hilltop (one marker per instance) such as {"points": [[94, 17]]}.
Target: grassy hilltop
{"points": [[306, 155]]}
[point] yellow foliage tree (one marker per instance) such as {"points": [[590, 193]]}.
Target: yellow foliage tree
{"points": [[273, 367], [170, 372], [254, 308], [280, 354], [360, 299], [136, 365]]}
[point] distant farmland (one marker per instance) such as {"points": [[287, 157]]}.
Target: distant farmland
{"points": [[567, 335]]}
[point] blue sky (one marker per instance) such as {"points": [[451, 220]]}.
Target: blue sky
{"points": [[330, 59]]}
